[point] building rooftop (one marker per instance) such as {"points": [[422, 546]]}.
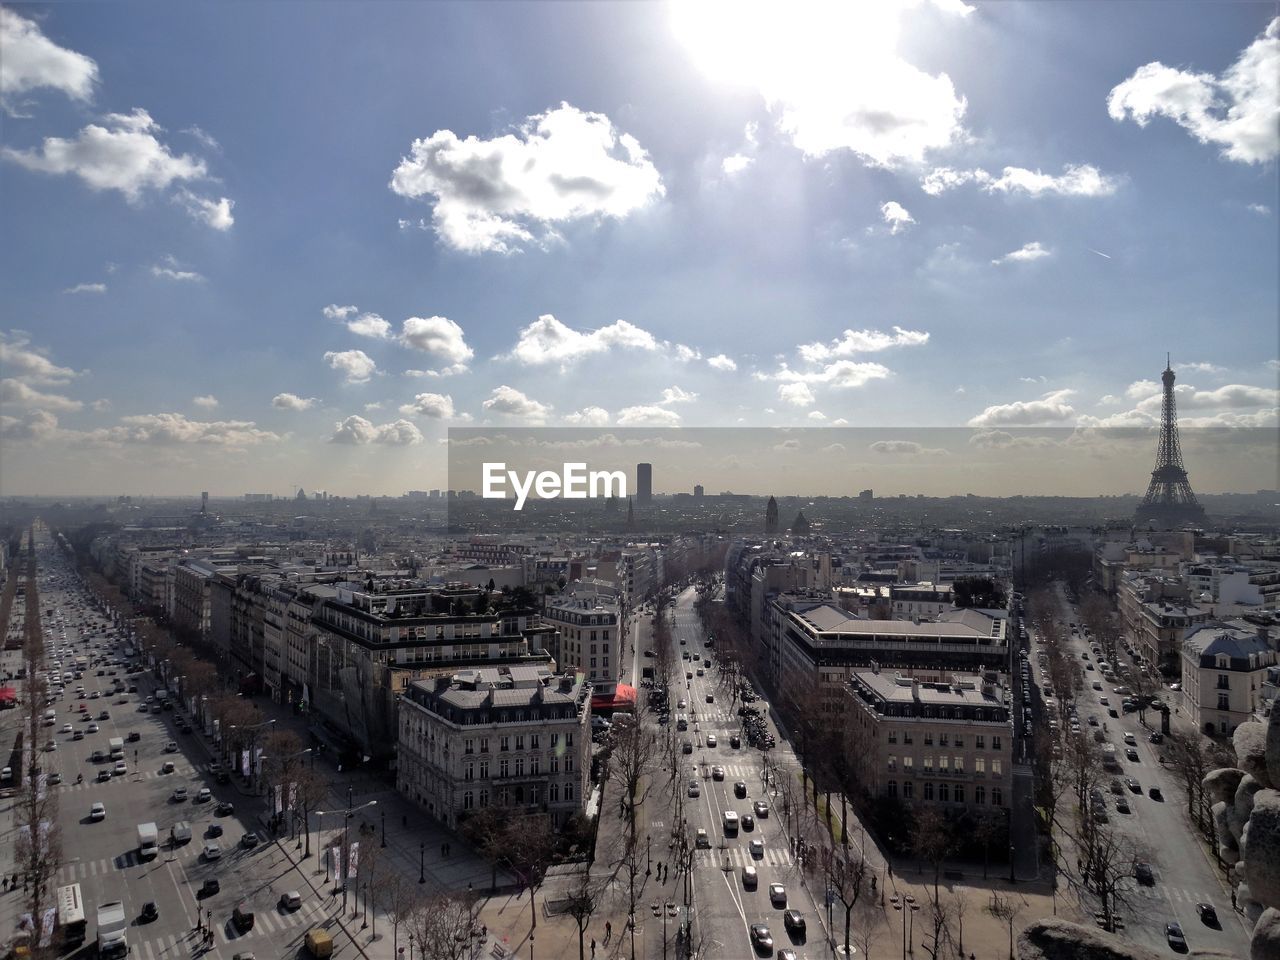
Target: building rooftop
{"points": [[964, 690]]}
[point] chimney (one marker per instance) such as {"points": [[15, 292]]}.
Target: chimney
{"points": [[915, 689]]}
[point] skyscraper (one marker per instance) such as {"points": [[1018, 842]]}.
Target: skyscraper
{"points": [[644, 483], [771, 517]]}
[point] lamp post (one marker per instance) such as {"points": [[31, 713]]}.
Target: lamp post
{"points": [[411, 945], [384, 829], [530, 945], [320, 834], [1012, 878], [364, 924], [422, 859]]}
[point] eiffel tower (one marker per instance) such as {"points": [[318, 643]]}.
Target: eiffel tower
{"points": [[1169, 502]]}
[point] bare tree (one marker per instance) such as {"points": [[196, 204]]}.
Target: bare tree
{"points": [[1110, 859], [581, 904], [846, 873], [631, 761], [310, 790], [987, 829], [1006, 909], [402, 897], [870, 926], [442, 927], [932, 841], [529, 844]]}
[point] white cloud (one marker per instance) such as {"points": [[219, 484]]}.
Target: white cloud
{"points": [[33, 425], [853, 342], [101, 405], [1142, 388], [357, 431], [647, 415], [356, 365], [440, 337], [676, 395], [164, 429], [1201, 367], [999, 439], [685, 354], [435, 406], [1076, 180], [213, 213], [1273, 364], [796, 394], [841, 373], [361, 324], [1053, 407], [29, 365], [896, 216], [497, 195], [547, 340], [511, 402], [291, 401], [173, 270], [16, 393], [87, 288], [831, 75], [908, 447], [721, 362], [839, 422], [1232, 395], [588, 417], [1261, 209], [32, 61], [1024, 254], [207, 402], [123, 154], [736, 163], [817, 415], [1238, 111]]}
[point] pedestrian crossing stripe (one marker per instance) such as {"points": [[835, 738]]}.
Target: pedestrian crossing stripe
{"points": [[266, 922], [741, 857]]}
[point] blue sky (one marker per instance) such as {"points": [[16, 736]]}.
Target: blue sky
{"points": [[260, 245]]}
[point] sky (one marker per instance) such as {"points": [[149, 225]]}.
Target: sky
{"points": [[252, 247]]}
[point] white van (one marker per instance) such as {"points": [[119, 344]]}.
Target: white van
{"points": [[731, 821], [180, 832]]}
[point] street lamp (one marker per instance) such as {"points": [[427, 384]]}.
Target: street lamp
{"points": [[531, 945], [365, 923], [422, 859], [384, 828]]}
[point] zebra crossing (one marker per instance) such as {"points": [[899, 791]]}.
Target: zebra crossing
{"points": [[1163, 893], [92, 783], [266, 924], [740, 856]]}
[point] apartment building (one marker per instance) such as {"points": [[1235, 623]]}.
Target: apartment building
{"points": [[515, 738], [1225, 665], [947, 742], [590, 642]]}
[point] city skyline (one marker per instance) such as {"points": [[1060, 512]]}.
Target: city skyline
{"points": [[304, 265]]}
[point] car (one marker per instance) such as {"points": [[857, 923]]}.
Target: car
{"points": [[682, 704], [78, 735], [695, 788], [93, 728], [211, 851], [735, 742], [1132, 755], [55, 778], [793, 920], [167, 767], [204, 795], [1208, 914], [104, 775], [1112, 714], [1173, 933], [756, 848], [740, 789], [717, 772], [143, 708], [686, 747], [179, 795], [1122, 806], [171, 747], [711, 698], [225, 808], [215, 830], [711, 740], [1142, 873], [104, 715], [682, 725], [1155, 794], [1155, 737], [186, 728], [762, 809], [149, 912], [249, 840], [750, 877], [701, 840], [222, 777], [777, 895], [96, 695], [67, 728], [211, 886], [119, 769], [291, 900], [97, 812], [761, 938], [134, 736], [51, 745], [1130, 739]]}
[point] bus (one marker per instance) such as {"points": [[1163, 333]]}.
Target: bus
{"points": [[71, 919]]}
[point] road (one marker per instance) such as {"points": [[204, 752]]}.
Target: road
{"points": [[102, 855], [725, 908], [1184, 867]]}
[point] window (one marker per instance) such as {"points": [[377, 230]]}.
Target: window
{"points": [[944, 764], [555, 764], [469, 745], [504, 767], [893, 788], [906, 738], [568, 739], [908, 789], [1224, 701], [997, 797], [944, 792], [928, 764], [907, 763], [555, 740], [928, 739], [959, 764], [533, 741], [568, 791], [484, 797], [519, 766], [484, 744], [928, 789], [1224, 682], [504, 743], [959, 742], [553, 793], [995, 743], [980, 741], [944, 740], [893, 764], [568, 766], [534, 764], [468, 800], [980, 795], [893, 736], [468, 772], [520, 741], [959, 793], [995, 768]]}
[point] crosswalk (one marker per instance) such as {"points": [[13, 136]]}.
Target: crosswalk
{"points": [[180, 771], [267, 923], [1162, 893], [740, 856]]}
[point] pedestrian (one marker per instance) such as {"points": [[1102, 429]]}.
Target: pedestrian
{"points": [[593, 946], [608, 930], [1233, 898]]}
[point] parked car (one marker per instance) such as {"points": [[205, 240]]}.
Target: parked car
{"points": [[1173, 933], [793, 920]]}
